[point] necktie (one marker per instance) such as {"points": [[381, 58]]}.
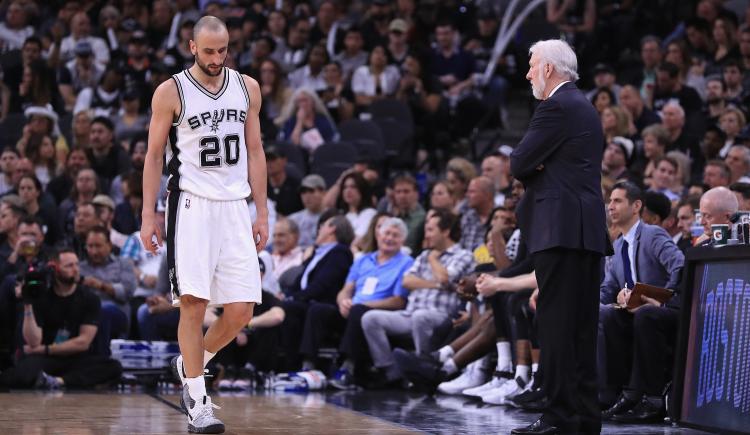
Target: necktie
{"points": [[626, 265]]}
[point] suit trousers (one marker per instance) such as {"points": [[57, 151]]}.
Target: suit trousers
{"points": [[324, 321], [634, 352], [567, 316]]}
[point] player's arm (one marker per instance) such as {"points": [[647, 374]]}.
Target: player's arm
{"points": [[164, 106], [256, 166]]}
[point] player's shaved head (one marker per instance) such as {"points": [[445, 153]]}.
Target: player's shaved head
{"points": [[209, 23]]}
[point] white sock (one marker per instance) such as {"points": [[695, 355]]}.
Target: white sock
{"points": [[207, 357], [534, 368], [196, 388], [523, 372], [504, 361], [444, 353], [449, 367]]}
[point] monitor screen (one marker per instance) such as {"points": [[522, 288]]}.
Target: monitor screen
{"points": [[717, 368]]}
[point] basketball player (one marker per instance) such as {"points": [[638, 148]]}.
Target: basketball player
{"points": [[207, 118]]}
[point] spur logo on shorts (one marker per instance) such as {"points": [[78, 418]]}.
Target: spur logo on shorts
{"points": [[187, 203]]}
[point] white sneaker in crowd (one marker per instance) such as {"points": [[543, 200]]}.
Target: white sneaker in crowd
{"points": [[504, 394]]}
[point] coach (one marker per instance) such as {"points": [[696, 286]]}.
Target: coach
{"points": [[562, 215]]}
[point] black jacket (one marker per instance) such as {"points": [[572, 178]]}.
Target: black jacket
{"points": [[327, 277]]}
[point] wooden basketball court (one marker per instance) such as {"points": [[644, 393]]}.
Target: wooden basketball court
{"points": [[138, 413]]}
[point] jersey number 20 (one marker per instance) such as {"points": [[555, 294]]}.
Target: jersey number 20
{"points": [[211, 148]]}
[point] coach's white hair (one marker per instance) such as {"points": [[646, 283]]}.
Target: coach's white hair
{"points": [[721, 200], [557, 53], [396, 223]]}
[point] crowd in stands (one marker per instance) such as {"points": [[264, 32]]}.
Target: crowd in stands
{"points": [[418, 250]]}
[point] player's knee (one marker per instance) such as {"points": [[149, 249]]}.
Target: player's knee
{"points": [[190, 303], [238, 315]]}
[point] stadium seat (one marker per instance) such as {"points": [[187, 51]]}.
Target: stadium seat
{"points": [[390, 108], [366, 137], [331, 159]]}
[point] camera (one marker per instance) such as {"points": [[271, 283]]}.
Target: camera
{"points": [[35, 281]]}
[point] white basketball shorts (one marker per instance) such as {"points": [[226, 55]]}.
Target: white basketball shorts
{"points": [[210, 250]]}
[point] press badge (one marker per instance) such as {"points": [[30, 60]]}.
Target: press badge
{"points": [[369, 286]]}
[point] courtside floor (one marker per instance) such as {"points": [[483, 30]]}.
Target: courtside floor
{"points": [[382, 412]]}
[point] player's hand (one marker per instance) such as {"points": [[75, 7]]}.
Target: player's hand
{"points": [[260, 233], [149, 229]]}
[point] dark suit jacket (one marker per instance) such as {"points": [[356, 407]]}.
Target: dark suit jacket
{"points": [[563, 205], [658, 262], [326, 278]]}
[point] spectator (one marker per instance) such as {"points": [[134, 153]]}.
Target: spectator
{"points": [[441, 197], [630, 99], [114, 281], [631, 349], [422, 93], [738, 161], [41, 152], [716, 174], [732, 75], [698, 36], [30, 189], [286, 252], [480, 199], [43, 121], [724, 35], [8, 159], [656, 210], [431, 305], [22, 239], [716, 207], [323, 273], [129, 122], [617, 155], [731, 122], [37, 88], [276, 94], [375, 27], [80, 30], [605, 77], [85, 188], [15, 29], [663, 178], [105, 213], [104, 99], [355, 201], [742, 191], [178, 56], [616, 122], [685, 221], [678, 54], [337, 97], [645, 77], [107, 159], [398, 47], [655, 141], [85, 220], [602, 98], [79, 73], [305, 121], [405, 206], [353, 56], [388, 264], [81, 129], [376, 80], [276, 29], [680, 138], [283, 187], [296, 44], [312, 190], [496, 167], [669, 87], [716, 102], [51, 361], [137, 149], [60, 186], [310, 75], [458, 173]]}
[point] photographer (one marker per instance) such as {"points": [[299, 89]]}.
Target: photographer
{"points": [[60, 321]]}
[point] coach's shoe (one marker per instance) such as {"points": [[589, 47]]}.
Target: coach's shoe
{"points": [[200, 414]]}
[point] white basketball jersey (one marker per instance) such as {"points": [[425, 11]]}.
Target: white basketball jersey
{"points": [[206, 152]]}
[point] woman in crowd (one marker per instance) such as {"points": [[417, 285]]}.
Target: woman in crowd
{"points": [[306, 121], [602, 99], [30, 189], [458, 173], [81, 129], [616, 122], [731, 122], [678, 53], [369, 242], [655, 142], [441, 196], [376, 80], [41, 152], [355, 200], [276, 94], [337, 96], [724, 33]]}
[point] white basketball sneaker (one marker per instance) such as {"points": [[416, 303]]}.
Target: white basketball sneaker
{"points": [[200, 414], [506, 393], [493, 383], [470, 378]]}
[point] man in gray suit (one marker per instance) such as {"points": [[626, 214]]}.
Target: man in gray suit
{"points": [[632, 343]]}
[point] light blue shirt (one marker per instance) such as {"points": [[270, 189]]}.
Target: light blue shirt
{"points": [[320, 252], [374, 281], [630, 238]]}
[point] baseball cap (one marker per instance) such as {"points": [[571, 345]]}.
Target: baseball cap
{"points": [[313, 181], [625, 144], [398, 25], [103, 200], [83, 48]]}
